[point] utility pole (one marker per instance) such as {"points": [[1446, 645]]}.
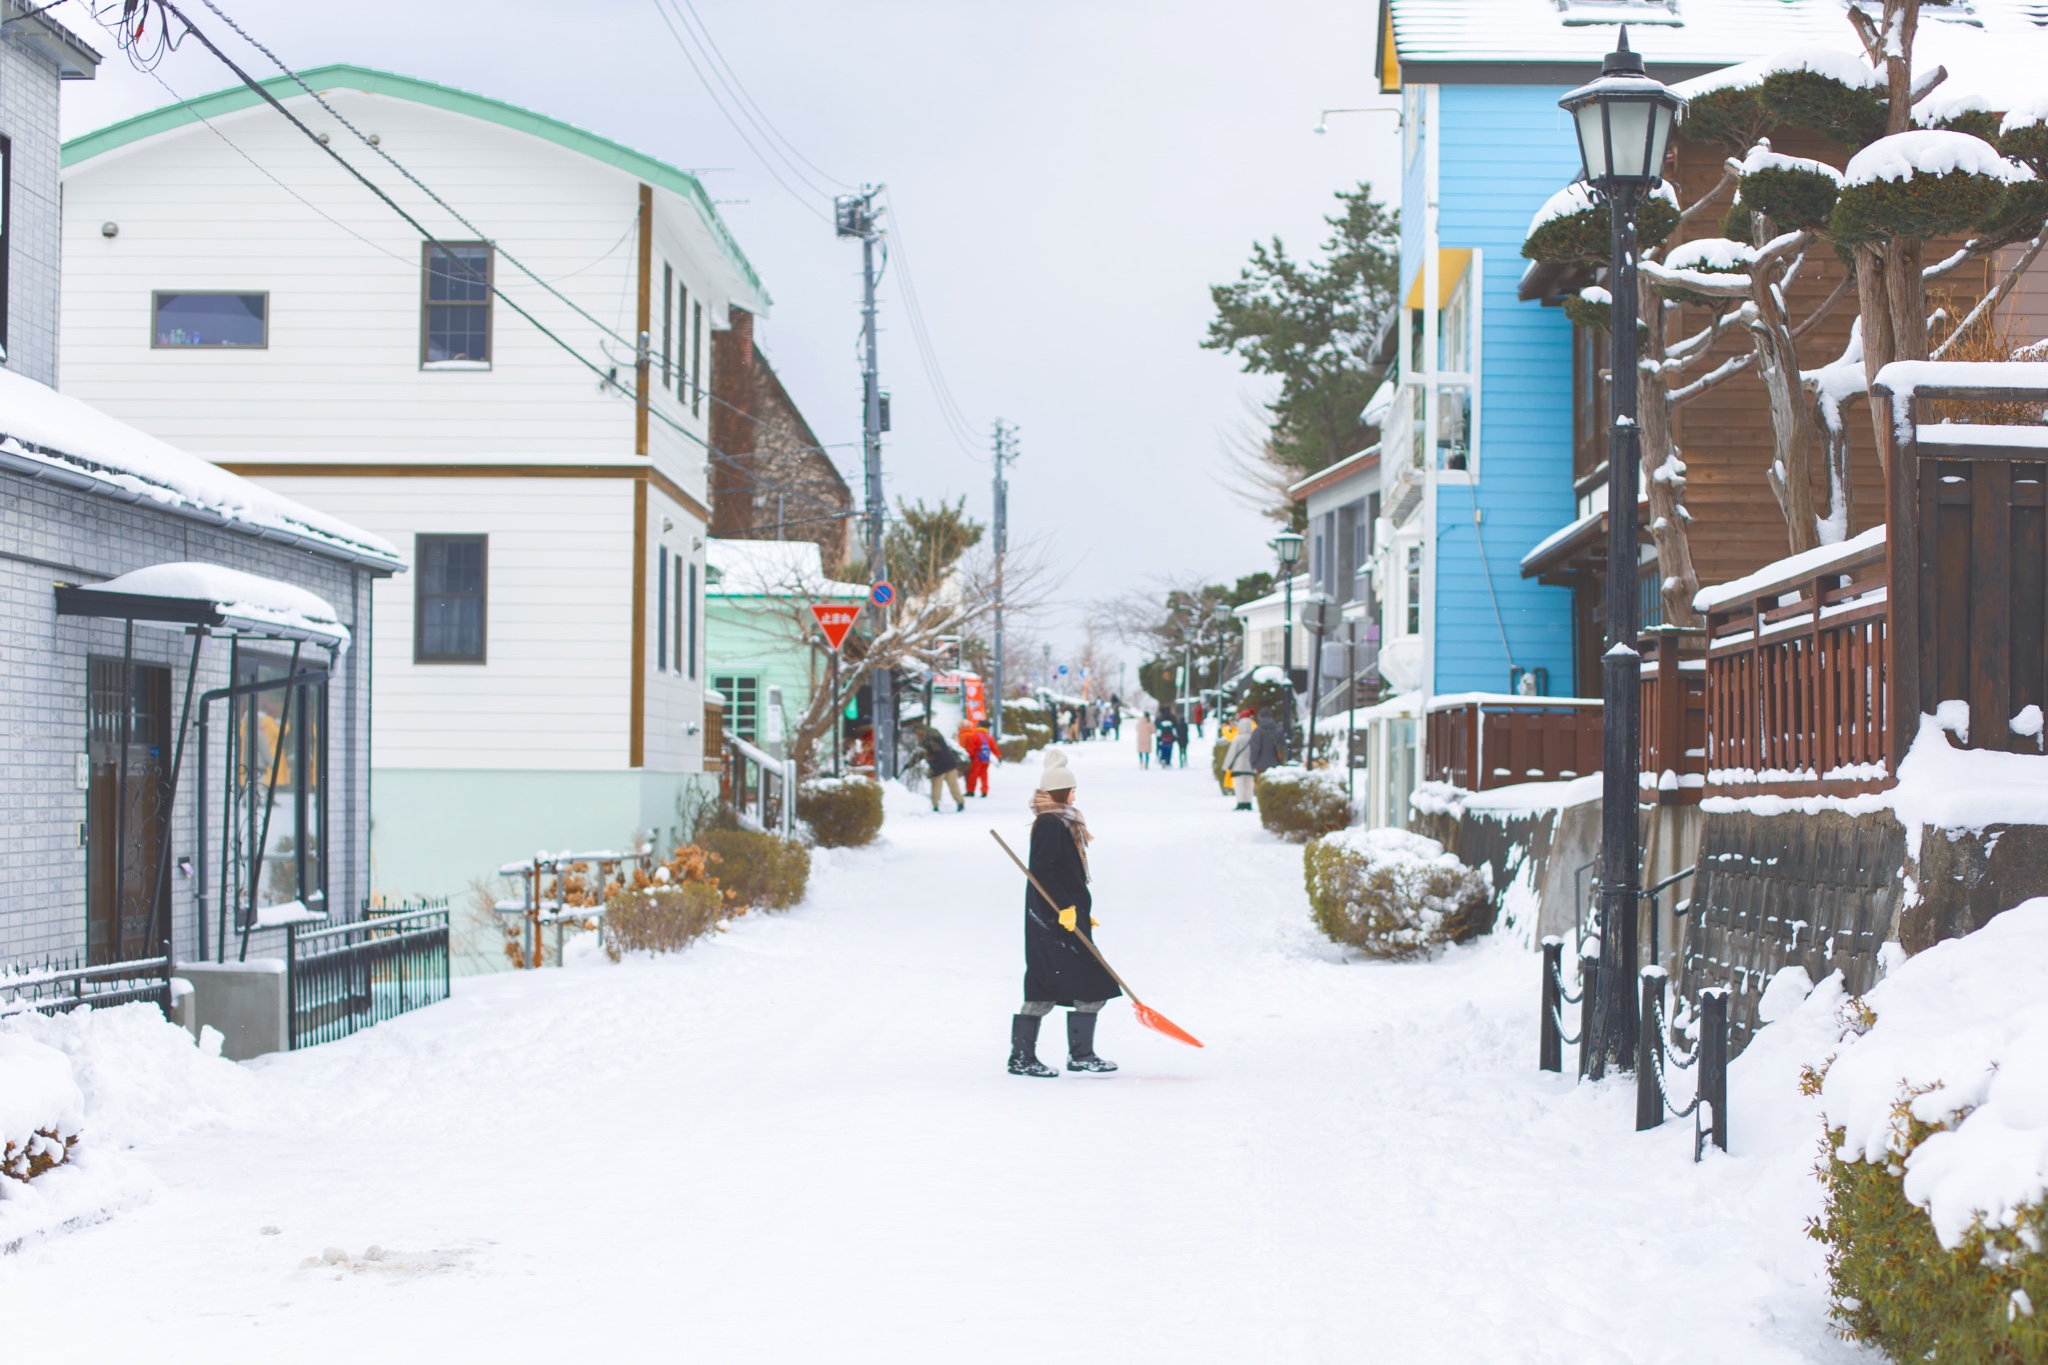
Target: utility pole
{"points": [[1005, 453], [854, 215]]}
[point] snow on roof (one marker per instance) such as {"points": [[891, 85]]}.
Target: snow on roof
{"points": [[249, 603], [1993, 57], [1436, 41], [772, 568], [1275, 598], [49, 435], [1931, 151], [1815, 561]]}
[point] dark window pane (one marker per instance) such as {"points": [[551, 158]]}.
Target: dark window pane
{"points": [[450, 599], [211, 319], [458, 274], [457, 332]]}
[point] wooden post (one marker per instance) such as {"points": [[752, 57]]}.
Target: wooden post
{"points": [[1899, 439]]}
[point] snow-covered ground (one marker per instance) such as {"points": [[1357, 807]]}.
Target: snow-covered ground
{"points": [[797, 1142]]}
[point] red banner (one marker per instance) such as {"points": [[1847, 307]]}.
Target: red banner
{"points": [[974, 699], [835, 619]]}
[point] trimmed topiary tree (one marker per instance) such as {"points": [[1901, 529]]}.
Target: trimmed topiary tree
{"points": [[1393, 894], [1298, 803], [843, 812]]}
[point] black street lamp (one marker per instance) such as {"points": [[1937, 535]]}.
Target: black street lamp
{"points": [[1623, 121], [1287, 549]]}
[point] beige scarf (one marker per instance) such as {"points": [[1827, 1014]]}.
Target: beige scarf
{"points": [[1043, 804]]}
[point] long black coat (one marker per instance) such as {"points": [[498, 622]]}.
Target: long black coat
{"points": [[939, 758], [1056, 967]]}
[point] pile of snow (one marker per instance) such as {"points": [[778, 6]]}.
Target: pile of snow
{"points": [[1712, 253], [247, 600], [122, 1078], [1838, 63], [772, 568], [1578, 197], [1805, 564], [1943, 787], [1762, 158], [1930, 151], [1949, 101], [41, 429], [1287, 774], [2026, 113], [1395, 846], [1962, 1035], [37, 1097], [1841, 379]]}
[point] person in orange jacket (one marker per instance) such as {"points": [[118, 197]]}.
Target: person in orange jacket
{"points": [[980, 749]]}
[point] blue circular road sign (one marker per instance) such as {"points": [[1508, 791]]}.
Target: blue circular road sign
{"points": [[882, 594]]}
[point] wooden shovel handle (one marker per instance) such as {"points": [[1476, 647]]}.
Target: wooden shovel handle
{"points": [[1076, 930]]}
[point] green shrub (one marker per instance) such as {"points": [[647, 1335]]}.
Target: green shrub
{"points": [[1037, 735], [2028, 144], [1583, 236], [1925, 206], [1298, 805], [661, 919], [1216, 754], [1393, 894], [1807, 99], [843, 812], [1791, 196], [1732, 116], [1014, 747], [1896, 1287], [758, 869]]}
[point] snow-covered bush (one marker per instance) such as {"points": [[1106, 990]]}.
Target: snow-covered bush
{"points": [[1924, 183], [758, 870], [1298, 804], [843, 812], [1392, 893], [661, 919], [41, 1108], [1936, 1106], [1013, 746]]}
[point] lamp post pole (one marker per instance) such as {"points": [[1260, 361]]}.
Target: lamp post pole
{"points": [[1287, 549], [1623, 121]]}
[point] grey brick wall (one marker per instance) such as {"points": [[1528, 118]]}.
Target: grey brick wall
{"points": [[28, 118], [50, 535]]}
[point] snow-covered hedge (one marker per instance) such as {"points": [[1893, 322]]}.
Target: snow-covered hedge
{"points": [[1298, 804], [1937, 1180], [41, 1108], [1392, 893], [843, 812], [758, 870], [661, 919]]}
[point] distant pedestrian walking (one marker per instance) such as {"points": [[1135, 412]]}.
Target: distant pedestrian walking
{"points": [[944, 766], [1145, 737], [1180, 734], [1116, 716], [980, 749], [1237, 759], [1168, 732], [1057, 969]]}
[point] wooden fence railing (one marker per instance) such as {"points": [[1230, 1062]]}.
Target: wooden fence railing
{"points": [[1970, 557], [1674, 716], [1795, 677], [1479, 741]]}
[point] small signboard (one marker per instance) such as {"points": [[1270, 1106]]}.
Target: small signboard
{"points": [[882, 594], [835, 619]]}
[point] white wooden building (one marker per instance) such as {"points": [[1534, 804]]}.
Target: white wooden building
{"points": [[232, 289]]}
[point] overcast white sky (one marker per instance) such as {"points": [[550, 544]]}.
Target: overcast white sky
{"points": [[1070, 177]]}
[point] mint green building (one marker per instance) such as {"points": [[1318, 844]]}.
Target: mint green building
{"points": [[761, 641]]}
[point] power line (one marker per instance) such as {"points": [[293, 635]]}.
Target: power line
{"points": [[762, 120]]}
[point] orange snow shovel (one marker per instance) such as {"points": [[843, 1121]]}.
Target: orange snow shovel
{"points": [[1149, 1017]]}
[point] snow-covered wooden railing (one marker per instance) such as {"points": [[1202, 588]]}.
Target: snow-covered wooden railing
{"points": [[1674, 720], [1482, 740], [1796, 675], [760, 787]]}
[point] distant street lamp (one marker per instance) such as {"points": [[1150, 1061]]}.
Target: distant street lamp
{"points": [[1287, 549], [1623, 120]]}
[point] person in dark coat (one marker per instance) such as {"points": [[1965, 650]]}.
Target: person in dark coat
{"points": [[1058, 968], [944, 766], [1265, 746], [1169, 731]]}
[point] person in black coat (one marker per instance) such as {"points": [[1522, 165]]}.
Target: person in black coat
{"points": [[1058, 968], [944, 766]]}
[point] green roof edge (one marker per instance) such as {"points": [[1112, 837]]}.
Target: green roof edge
{"points": [[100, 141]]}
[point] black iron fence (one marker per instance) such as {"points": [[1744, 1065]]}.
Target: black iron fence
{"points": [[351, 976], [1655, 1058], [58, 989]]}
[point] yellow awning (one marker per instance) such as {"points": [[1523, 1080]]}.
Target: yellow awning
{"points": [[1451, 262]]}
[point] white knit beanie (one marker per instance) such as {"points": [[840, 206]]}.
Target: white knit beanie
{"points": [[1056, 776]]}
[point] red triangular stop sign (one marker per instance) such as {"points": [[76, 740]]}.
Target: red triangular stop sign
{"points": [[835, 619]]}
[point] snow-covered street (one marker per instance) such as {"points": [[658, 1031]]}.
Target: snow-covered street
{"points": [[797, 1142]]}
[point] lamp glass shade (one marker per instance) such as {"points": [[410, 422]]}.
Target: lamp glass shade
{"points": [[1623, 135], [1287, 546]]}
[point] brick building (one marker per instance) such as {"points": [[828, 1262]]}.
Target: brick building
{"points": [[770, 479]]}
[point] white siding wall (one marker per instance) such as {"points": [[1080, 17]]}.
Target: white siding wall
{"points": [[342, 372]]}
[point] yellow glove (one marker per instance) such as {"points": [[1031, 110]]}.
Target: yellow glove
{"points": [[1094, 923], [1067, 919]]}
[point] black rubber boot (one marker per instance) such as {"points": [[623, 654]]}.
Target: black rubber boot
{"points": [[1024, 1047], [1081, 1044]]}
